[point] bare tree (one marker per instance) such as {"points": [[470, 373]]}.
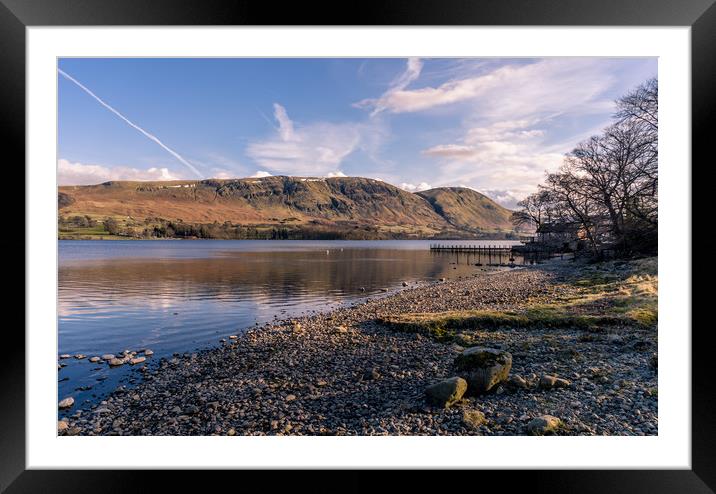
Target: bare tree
{"points": [[641, 104], [574, 202], [534, 210]]}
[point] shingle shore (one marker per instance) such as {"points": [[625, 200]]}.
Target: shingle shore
{"points": [[342, 373]]}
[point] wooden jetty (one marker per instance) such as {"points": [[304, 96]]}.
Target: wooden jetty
{"points": [[478, 249], [492, 255]]}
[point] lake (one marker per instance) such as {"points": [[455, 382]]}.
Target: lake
{"points": [[180, 296]]}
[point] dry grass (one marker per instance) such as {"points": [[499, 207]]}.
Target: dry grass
{"points": [[603, 299]]}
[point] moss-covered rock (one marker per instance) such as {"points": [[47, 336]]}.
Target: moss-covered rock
{"points": [[473, 419], [483, 368], [447, 392]]}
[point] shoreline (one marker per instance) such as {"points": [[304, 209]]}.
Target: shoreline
{"points": [[347, 372]]}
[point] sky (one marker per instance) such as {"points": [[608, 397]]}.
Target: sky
{"points": [[494, 125]]}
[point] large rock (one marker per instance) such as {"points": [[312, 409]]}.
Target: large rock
{"points": [[447, 392], [483, 368], [544, 424]]}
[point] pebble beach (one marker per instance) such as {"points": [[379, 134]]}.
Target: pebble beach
{"points": [[345, 372]]}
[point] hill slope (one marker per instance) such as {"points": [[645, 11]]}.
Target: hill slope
{"points": [[350, 207], [466, 209]]}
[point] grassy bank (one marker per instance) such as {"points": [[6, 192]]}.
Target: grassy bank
{"points": [[603, 296]]}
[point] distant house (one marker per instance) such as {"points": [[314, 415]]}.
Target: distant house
{"points": [[562, 234], [571, 235]]}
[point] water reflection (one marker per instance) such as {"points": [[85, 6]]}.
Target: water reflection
{"points": [[178, 296]]}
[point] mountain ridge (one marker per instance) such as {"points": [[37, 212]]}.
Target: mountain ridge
{"points": [[350, 207]]}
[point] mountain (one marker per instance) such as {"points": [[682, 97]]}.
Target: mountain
{"points": [[278, 207], [466, 209]]}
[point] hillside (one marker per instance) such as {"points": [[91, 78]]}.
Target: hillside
{"points": [[466, 209], [278, 207]]}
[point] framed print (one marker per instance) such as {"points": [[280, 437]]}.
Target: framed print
{"points": [[433, 237]]}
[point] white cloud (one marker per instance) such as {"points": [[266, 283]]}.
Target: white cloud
{"points": [[86, 174], [510, 119], [285, 125], [412, 71], [260, 174], [505, 160], [335, 174], [414, 187], [309, 150], [505, 198], [552, 84]]}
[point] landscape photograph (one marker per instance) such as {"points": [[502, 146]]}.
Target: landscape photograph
{"points": [[357, 246]]}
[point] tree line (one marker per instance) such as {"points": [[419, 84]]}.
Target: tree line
{"points": [[607, 187]]}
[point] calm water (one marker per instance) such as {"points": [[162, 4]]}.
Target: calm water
{"points": [[178, 296]]}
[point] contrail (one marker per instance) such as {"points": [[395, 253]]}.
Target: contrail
{"points": [[147, 134]]}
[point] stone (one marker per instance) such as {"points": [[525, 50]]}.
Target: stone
{"points": [[115, 362], [446, 393], [148, 352], [233, 337], [517, 381], [544, 424], [290, 397], [73, 431], [62, 425], [80, 356], [340, 329], [483, 368], [107, 356], [654, 361], [405, 283], [549, 382], [231, 432], [137, 360], [191, 410], [94, 359], [65, 355], [66, 403], [473, 419]]}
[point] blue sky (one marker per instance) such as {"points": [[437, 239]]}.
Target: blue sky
{"points": [[495, 125]]}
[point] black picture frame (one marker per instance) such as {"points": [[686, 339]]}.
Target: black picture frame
{"points": [[700, 15]]}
